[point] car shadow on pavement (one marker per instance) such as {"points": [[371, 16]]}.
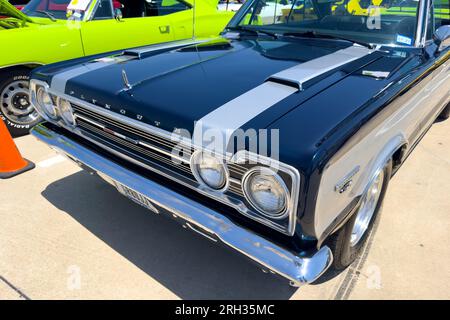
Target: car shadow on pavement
{"points": [[191, 266]]}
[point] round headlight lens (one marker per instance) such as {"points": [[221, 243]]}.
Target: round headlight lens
{"points": [[267, 192], [209, 170], [65, 109], [45, 103]]}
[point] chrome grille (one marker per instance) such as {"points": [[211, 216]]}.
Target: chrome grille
{"points": [[183, 167], [152, 138], [147, 146]]}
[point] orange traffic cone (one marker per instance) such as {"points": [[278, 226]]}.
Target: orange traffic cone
{"points": [[11, 162]]}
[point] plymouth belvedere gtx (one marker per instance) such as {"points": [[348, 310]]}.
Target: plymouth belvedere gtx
{"points": [[48, 31], [277, 139]]}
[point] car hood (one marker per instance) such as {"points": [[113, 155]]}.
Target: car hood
{"points": [[175, 87], [8, 10]]}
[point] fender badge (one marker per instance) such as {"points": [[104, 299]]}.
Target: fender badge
{"points": [[346, 182]]}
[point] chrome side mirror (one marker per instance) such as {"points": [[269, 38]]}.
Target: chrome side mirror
{"points": [[442, 37], [118, 14]]}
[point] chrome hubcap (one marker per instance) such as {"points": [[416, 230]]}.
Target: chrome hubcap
{"points": [[15, 103], [367, 209]]}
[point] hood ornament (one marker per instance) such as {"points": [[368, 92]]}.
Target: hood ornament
{"points": [[125, 80]]}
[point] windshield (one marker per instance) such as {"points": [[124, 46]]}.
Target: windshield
{"points": [[56, 9], [370, 21]]}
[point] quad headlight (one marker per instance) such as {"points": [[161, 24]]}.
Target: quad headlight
{"points": [[45, 103], [209, 170], [266, 192], [65, 110]]}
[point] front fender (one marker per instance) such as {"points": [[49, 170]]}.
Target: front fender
{"points": [[346, 178]]}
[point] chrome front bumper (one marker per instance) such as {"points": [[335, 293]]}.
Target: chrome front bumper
{"points": [[194, 215]]}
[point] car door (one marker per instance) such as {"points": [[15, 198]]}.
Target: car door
{"points": [[138, 26]]}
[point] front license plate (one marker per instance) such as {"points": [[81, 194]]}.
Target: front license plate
{"points": [[136, 197]]}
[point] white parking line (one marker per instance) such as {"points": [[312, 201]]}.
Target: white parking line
{"points": [[51, 161]]}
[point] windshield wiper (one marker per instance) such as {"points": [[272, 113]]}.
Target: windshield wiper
{"points": [[256, 32], [315, 34], [48, 14]]}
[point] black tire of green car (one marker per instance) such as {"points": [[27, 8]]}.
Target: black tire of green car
{"points": [[445, 114], [15, 109], [344, 254]]}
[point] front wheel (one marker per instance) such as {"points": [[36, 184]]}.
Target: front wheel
{"points": [[347, 243], [15, 107]]}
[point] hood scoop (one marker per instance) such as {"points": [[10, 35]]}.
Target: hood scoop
{"points": [[300, 74], [147, 51]]}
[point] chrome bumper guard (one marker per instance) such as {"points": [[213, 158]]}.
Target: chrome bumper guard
{"points": [[195, 216]]}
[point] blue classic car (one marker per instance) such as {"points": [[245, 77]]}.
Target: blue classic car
{"points": [[277, 139]]}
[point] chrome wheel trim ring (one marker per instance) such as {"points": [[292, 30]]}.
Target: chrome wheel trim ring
{"points": [[15, 103], [367, 209]]}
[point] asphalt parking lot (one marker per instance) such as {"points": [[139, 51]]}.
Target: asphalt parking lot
{"points": [[67, 235]]}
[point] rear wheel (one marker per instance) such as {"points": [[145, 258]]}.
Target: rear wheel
{"points": [[15, 107], [445, 114], [347, 243]]}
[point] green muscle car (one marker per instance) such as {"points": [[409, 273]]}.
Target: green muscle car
{"points": [[48, 31]]}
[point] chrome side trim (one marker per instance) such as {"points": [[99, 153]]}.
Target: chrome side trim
{"points": [[299, 270]]}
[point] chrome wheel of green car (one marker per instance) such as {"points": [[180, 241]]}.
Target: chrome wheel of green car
{"points": [[15, 103]]}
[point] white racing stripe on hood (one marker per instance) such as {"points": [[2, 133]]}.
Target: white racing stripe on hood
{"points": [[60, 80], [213, 131], [224, 121]]}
